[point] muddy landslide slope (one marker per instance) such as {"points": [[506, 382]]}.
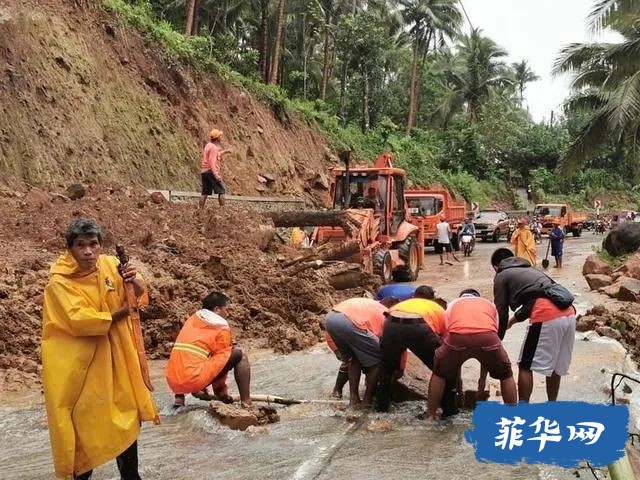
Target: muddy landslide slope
{"points": [[84, 97], [181, 253]]}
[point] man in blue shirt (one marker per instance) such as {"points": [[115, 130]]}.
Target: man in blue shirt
{"points": [[557, 242], [401, 291]]}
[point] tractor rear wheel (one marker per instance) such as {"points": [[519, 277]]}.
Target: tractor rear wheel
{"points": [[382, 265], [409, 252]]}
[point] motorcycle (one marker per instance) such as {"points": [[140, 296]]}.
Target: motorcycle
{"points": [[467, 244], [600, 228]]}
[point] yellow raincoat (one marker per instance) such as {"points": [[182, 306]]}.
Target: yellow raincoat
{"points": [[94, 392], [525, 244]]}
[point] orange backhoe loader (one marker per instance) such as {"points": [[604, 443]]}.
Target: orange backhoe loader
{"points": [[368, 220]]}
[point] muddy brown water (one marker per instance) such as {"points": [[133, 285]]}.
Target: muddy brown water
{"points": [[317, 441]]}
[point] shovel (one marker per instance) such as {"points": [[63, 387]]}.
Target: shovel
{"points": [[545, 262]]}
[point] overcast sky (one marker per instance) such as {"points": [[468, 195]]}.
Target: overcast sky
{"points": [[536, 30]]}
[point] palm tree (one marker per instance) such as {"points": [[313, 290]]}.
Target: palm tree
{"points": [[606, 84], [523, 74], [427, 19], [277, 43], [473, 74]]}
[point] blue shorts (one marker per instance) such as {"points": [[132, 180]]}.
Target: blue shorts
{"points": [[352, 341]]}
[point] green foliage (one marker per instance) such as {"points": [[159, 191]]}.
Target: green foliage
{"points": [[472, 134]]}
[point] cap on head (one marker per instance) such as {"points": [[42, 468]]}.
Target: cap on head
{"points": [[499, 255], [443, 218], [470, 292], [522, 221], [424, 291], [556, 222], [215, 134]]}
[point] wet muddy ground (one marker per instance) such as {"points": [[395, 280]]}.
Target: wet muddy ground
{"points": [[317, 441]]}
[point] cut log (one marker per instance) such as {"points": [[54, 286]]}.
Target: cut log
{"points": [[310, 218], [327, 252], [315, 218]]}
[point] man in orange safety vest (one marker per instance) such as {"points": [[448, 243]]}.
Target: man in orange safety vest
{"points": [[203, 354]]}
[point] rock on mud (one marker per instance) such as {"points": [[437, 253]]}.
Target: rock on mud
{"points": [[612, 290], [623, 239], [76, 191], [594, 265], [629, 289], [597, 281], [606, 331], [238, 418]]}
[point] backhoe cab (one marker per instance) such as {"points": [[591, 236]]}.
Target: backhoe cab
{"points": [[372, 197]]}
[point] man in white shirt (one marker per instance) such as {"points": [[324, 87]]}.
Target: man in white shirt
{"points": [[443, 241]]}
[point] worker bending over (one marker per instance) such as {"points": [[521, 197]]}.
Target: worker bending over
{"points": [[471, 331], [203, 354], [355, 326], [415, 324]]}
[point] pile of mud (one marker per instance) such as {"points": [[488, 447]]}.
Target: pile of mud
{"points": [[182, 253], [622, 324]]}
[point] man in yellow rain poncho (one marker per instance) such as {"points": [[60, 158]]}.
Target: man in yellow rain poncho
{"points": [[524, 242], [93, 386]]}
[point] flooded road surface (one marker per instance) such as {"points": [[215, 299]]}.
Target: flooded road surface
{"points": [[316, 441]]}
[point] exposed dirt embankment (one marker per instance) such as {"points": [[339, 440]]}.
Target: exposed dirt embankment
{"points": [[182, 254], [83, 97]]}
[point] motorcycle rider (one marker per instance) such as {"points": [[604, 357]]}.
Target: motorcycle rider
{"points": [[469, 229], [536, 229]]}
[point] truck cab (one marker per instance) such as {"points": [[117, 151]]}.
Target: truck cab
{"points": [[425, 208], [569, 221]]}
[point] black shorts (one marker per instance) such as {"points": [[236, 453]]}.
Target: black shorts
{"points": [[441, 247], [210, 184]]}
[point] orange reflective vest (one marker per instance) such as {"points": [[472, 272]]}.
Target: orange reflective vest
{"points": [[201, 351]]}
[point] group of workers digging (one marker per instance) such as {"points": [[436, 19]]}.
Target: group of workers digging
{"points": [[373, 336], [95, 388]]}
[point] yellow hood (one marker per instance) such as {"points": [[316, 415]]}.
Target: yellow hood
{"points": [[65, 265]]}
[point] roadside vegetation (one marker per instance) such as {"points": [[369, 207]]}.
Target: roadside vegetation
{"points": [[407, 76]]}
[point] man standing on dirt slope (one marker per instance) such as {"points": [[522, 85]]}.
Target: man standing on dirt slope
{"points": [[548, 345], [211, 173], [471, 331], [355, 326], [203, 354], [416, 324], [93, 386]]}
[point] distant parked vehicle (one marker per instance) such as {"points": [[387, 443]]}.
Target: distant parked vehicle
{"points": [[491, 225]]}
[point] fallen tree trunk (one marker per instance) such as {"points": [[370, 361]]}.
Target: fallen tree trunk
{"points": [[311, 218], [339, 252]]}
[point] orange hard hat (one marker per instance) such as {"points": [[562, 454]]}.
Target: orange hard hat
{"points": [[215, 134]]}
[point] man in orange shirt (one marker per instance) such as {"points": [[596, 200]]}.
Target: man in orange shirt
{"points": [[210, 171], [415, 324], [203, 354], [471, 331], [343, 372], [355, 326]]}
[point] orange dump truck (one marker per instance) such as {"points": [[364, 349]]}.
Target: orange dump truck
{"points": [[570, 221], [426, 206]]}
